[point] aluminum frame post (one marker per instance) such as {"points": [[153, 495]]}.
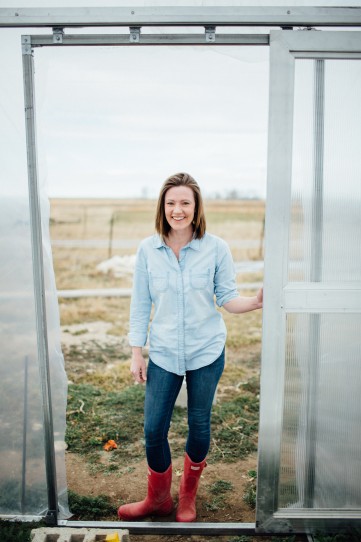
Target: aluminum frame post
{"points": [[315, 276], [38, 273]]}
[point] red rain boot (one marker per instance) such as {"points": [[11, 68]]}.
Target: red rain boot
{"points": [[186, 510], [158, 501]]}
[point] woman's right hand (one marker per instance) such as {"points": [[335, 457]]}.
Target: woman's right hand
{"points": [[138, 366]]}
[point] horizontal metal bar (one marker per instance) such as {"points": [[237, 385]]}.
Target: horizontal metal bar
{"points": [[301, 42], [328, 55], [165, 528], [150, 39], [318, 513], [181, 16], [122, 292], [322, 297], [94, 292]]}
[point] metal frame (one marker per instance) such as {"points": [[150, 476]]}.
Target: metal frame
{"points": [[283, 298], [39, 288], [58, 39], [137, 39], [284, 16], [281, 82]]}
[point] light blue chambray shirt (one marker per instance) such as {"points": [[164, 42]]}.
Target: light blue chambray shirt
{"points": [[187, 331]]}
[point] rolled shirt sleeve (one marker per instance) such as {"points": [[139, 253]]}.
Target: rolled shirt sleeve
{"points": [[225, 286]]}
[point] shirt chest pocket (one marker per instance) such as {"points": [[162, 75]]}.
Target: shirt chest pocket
{"points": [[160, 282], [199, 281]]}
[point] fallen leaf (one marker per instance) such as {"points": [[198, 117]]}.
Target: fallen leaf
{"points": [[110, 445]]}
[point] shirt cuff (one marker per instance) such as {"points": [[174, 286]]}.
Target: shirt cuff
{"points": [[137, 339], [224, 299]]}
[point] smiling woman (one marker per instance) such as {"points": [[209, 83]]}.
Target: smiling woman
{"points": [[180, 213], [179, 207], [180, 270]]}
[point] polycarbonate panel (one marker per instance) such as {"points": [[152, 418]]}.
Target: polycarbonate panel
{"points": [[23, 483], [325, 227], [320, 463], [22, 473]]}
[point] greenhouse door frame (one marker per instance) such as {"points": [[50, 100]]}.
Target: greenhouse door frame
{"points": [[285, 45], [284, 296]]}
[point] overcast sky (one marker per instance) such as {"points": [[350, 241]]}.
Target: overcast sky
{"points": [[116, 121]]}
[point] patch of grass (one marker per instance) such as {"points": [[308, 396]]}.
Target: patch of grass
{"points": [[97, 413], [118, 378], [91, 508], [243, 329], [104, 366], [245, 538], [353, 535], [94, 309], [178, 431], [234, 427], [218, 500], [220, 486], [252, 385], [96, 352], [233, 374], [250, 493], [16, 531], [96, 416]]}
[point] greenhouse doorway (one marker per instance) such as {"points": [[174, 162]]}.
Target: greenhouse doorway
{"points": [[246, 40], [309, 296]]}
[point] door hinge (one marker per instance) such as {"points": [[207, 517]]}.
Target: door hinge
{"points": [[134, 36], [210, 34], [58, 33]]}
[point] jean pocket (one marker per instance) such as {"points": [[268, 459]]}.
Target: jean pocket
{"points": [[160, 283], [199, 281]]}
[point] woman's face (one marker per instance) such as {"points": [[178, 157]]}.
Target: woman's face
{"points": [[179, 208]]}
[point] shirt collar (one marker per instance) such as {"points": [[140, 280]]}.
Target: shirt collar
{"points": [[158, 242]]}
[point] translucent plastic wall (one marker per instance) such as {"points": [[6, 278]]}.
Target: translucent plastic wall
{"points": [[23, 485], [320, 460]]}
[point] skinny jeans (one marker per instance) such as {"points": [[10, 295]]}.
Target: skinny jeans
{"points": [[162, 389]]}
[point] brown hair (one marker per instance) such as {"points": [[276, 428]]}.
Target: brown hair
{"points": [[199, 221]]}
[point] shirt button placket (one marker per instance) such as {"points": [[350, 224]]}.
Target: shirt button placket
{"points": [[180, 304]]}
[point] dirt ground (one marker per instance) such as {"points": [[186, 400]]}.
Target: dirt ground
{"points": [[131, 486]]}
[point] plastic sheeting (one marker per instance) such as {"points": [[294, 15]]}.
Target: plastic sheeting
{"points": [[22, 454], [23, 485], [320, 463]]}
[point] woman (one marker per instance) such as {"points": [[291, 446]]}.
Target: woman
{"points": [[179, 271]]}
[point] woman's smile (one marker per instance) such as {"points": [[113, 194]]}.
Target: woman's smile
{"points": [[179, 207]]}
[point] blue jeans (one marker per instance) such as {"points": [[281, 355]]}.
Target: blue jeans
{"points": [[162, 389]]}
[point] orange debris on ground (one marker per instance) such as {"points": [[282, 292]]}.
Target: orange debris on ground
{"points": [[110, 445]]}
